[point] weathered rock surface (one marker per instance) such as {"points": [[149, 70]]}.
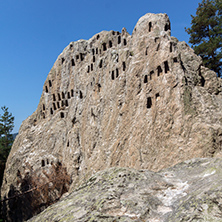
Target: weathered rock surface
{"points": [[140, 101], [190, 191]]}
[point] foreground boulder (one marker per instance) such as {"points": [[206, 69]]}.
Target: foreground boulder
{"points": [[190, 191], [140, 101]]}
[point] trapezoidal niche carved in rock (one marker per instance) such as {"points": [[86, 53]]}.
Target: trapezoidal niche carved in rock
{"points": [[140, 101]]}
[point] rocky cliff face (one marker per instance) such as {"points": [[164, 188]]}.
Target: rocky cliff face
{"points": [[190, 191], [141, 101]]}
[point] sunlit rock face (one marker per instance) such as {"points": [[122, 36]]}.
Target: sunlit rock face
{"points": [[141, 101], [189, 191]]}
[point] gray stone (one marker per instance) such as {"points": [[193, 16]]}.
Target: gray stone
{"points": [[142, 101], [189, 191]]}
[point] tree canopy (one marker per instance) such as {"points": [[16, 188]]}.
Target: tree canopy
{"points": [[6, 138], [206, 34]]}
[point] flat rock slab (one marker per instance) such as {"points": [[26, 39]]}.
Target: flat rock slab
{"points": [[189, 191]]}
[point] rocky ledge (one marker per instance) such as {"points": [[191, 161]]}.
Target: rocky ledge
{"points": [[189, 191], [142, 101]]}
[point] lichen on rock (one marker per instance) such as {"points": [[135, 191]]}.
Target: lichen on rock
{"points": [[189, 191], [141, 101]]}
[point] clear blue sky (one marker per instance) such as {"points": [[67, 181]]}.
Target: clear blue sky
{"points": [[35, 32]]}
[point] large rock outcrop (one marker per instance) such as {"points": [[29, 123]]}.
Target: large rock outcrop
{"points": [[189, 191], [141, 101]]}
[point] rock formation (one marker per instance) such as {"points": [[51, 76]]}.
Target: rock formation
{"points": [[143, 101], [190, 191]]}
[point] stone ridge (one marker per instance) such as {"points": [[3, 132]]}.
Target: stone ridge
{"points": [[141, 101], [82, 59], [190, 191]]}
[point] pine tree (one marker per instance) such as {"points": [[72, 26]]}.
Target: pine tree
{"points": [[6, 138], [206, 34]]}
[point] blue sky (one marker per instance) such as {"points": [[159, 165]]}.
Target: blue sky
{"points": [[35, 32]]}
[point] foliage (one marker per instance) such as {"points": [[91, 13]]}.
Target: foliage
{"points": [[6, 138], [206, 34]]}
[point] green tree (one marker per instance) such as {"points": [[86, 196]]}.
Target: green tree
{"points": [[206, 34], [6, 138]]}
